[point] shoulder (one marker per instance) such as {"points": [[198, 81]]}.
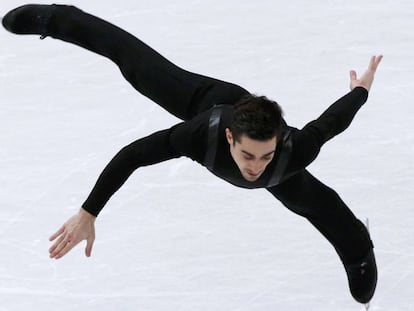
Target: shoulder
{"points": [[189, 138]]}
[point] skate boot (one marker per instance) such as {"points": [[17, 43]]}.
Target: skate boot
{"points": [[29, 19], [362, 277]]}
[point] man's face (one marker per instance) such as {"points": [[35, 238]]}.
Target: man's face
{"points": [[251, 156]]}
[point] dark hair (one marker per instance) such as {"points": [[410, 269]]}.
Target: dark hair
{"points": [[256, 116]]}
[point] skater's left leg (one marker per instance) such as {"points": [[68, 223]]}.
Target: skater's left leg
{"points": [[182, 93], [305, 195]]}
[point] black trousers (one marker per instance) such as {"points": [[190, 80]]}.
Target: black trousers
{"points": [[185, 94], [306, 196], [182, 93]]}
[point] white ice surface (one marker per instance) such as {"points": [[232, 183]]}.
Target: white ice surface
{"points": [[175, 237]]}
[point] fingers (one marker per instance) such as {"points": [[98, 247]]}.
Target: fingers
{"points": [[57, 233], [57, 247], [374, 62], [371, 63], [89, 245], [60, 235], [353, 79], [62, 249], [353, 75], [78, 228], [54, 246], [62, 246], [367, 77], [64, 242]]}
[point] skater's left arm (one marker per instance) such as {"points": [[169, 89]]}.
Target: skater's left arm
{"points": [[309, 140]]}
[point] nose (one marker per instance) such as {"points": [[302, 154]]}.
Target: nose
{"points": [[256, 167]]}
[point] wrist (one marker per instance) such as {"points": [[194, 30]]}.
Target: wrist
{"points": [[85, 214], [361, 92]]}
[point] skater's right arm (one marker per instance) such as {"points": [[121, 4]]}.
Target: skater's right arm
{"points": [[149, 150], [184, 139], [145, 151]]}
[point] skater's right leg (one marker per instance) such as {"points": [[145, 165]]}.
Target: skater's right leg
{"points": [[180, 92], [305, 195]]}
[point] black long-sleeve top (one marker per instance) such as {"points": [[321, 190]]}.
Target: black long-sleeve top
{"points": [[190, 139]]}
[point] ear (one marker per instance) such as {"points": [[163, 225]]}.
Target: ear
{"points": [[229, 136]]}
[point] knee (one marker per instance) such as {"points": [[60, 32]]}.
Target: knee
{"points": [[133, 71]]}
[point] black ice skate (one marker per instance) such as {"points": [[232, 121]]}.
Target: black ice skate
{"points": [[29, 19], [362, 277], [362, 272]]}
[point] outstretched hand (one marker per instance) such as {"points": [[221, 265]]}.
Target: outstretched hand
{"points": [[79, 227], [368, 76]]}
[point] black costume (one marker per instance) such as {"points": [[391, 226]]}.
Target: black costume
{"points": [[193, 98]]}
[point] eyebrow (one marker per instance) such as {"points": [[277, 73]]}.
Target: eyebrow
{"points": [[252, 155]]}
